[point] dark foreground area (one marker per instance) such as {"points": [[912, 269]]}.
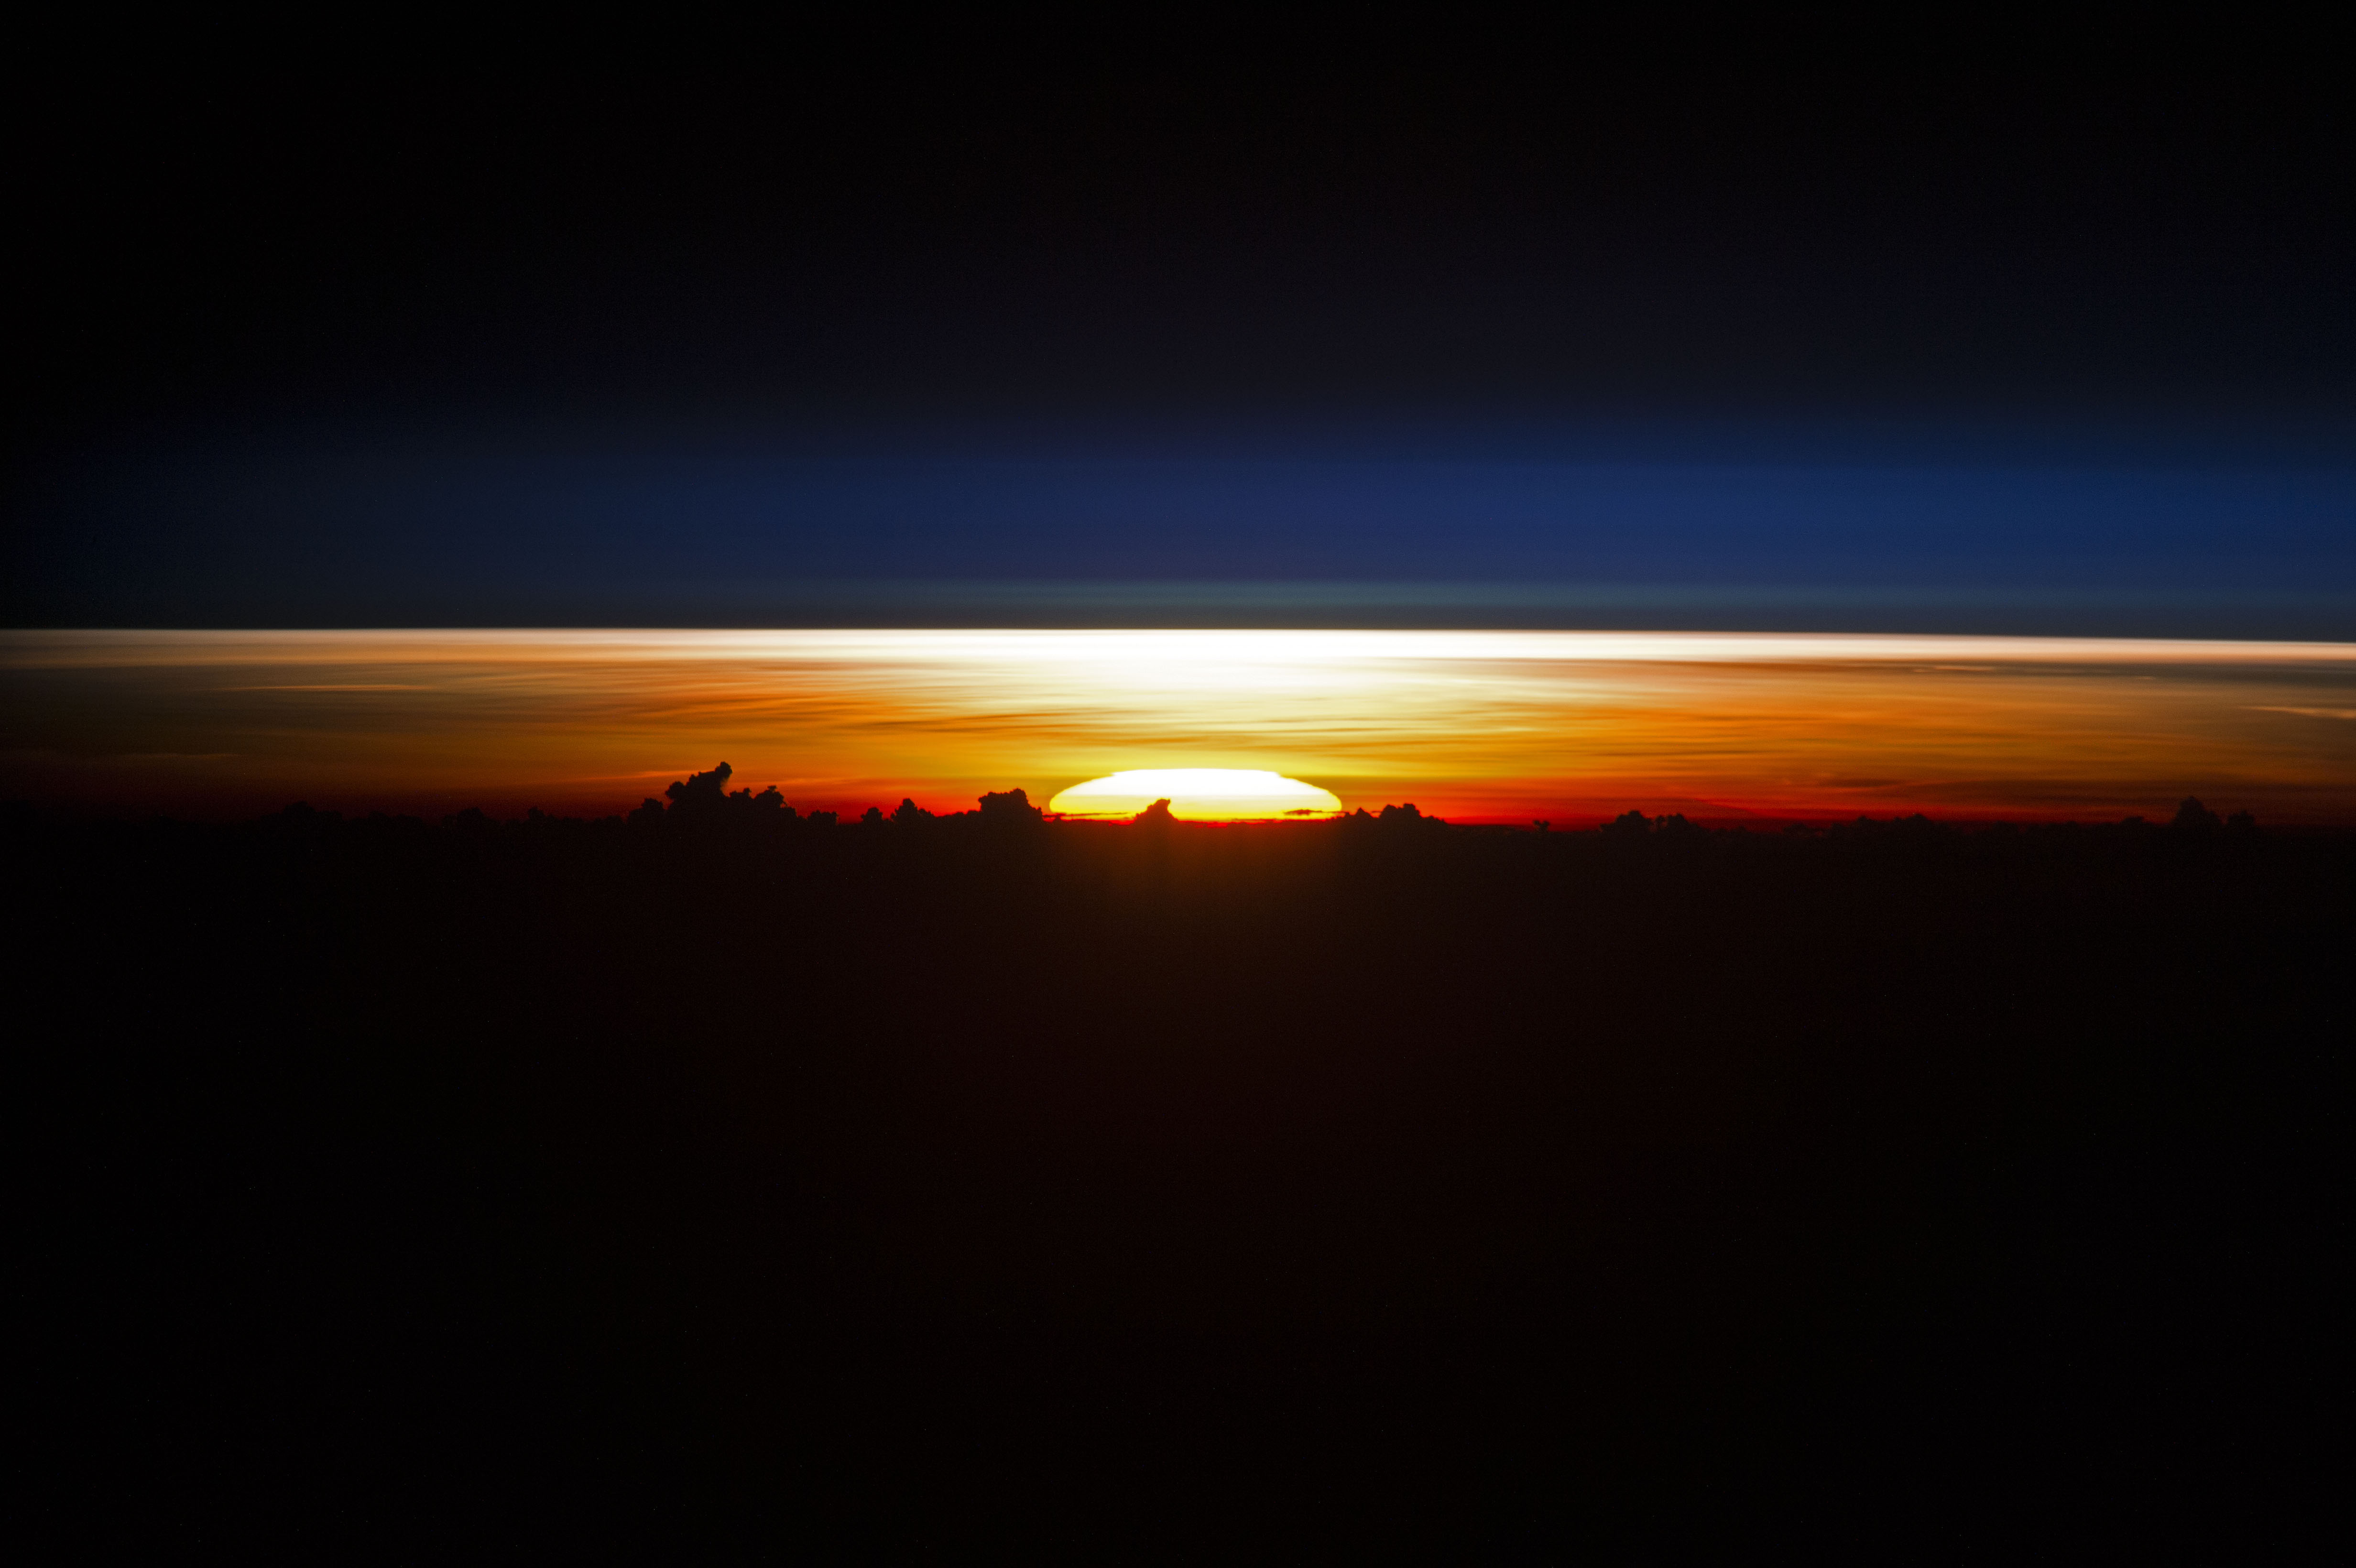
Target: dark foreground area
{"points": [[1295, 1191]]}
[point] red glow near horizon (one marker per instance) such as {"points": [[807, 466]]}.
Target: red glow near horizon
{"points": [[1476, 727]]}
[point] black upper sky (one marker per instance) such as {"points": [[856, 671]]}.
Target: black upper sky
{"points": [[247, 272]]}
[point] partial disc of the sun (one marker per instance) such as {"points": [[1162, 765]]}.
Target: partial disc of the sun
{"points": [[1198, 795]]}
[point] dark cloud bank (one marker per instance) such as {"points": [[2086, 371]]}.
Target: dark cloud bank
{"points": [[725, 1176]]}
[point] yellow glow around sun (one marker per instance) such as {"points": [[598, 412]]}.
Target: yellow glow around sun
{"points": [[1198, 795]]}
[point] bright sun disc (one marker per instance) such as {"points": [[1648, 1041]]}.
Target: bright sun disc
{"points": [[1199, 794]]}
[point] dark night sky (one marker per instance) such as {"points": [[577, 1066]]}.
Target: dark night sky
{"points": [[1999, 330]]}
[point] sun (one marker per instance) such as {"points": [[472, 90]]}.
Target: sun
{"points": [[1199, 794]]}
